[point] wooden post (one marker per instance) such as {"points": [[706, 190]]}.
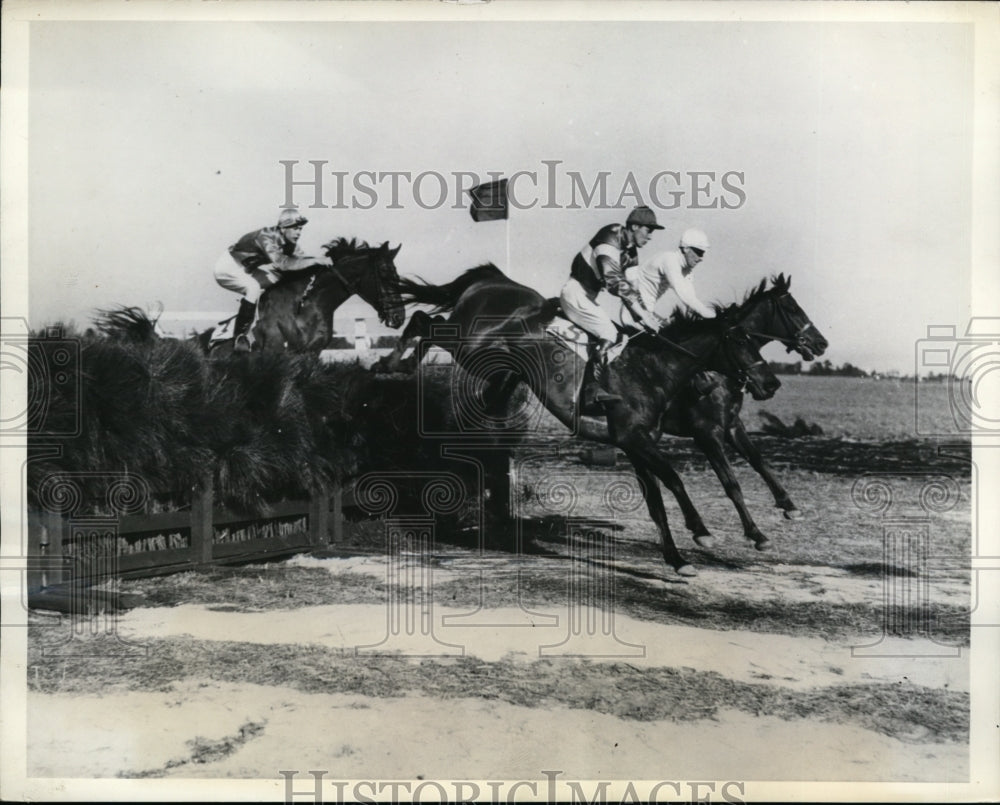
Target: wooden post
{"points": [[337, 513], [202, 527], [319, 516], [46, 565]]}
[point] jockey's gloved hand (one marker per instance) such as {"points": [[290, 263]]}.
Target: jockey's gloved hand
{"points": [[324, 261], [650, 321]]}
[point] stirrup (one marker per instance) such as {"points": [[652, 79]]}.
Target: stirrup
{"points": [[242, 344]]}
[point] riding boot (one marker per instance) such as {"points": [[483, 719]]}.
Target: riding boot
{"points": [[599, 391], [241, 327]]}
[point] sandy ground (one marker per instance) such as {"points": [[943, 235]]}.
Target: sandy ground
{"points": [[360, 737], [177, 733]]}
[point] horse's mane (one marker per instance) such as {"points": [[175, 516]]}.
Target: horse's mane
{"points": [[686, 322], [339, 248], [779, 283]]}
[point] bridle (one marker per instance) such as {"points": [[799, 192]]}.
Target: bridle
{"points": [[731, 333], [797, 341]]}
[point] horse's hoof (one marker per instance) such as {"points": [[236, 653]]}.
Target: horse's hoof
{"points": [[792, 514], [687, 570], [705, 541], [762, 544]]}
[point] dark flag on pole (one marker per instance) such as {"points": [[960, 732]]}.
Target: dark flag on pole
{"points": [[489, 201]]}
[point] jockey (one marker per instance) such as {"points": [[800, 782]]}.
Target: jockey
{"points": [[668, 273], [257, 261], [601, 265]]}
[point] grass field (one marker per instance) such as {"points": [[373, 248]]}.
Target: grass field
{"points": [[857, 407]]}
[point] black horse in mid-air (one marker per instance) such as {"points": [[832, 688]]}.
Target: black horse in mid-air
{"points": [[490, 312]]}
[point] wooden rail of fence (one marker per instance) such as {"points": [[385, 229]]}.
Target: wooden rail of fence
{"points": [[91, 547]]}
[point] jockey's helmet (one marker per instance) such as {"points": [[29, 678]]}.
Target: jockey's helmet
{"points": [[642, 216], [289, 218], [694, 239]]}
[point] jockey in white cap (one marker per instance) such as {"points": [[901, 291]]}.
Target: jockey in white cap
{"points": [[600, 265], [257, 261], [668, 273]]}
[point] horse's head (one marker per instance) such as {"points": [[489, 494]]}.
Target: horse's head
{"points": [[773, 314], [741, 354], [369, 272], [389, 304]]}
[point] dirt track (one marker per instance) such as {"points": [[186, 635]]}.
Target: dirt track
{"points": [[771, 665]]}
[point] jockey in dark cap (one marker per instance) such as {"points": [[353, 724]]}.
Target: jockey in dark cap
{"points": [[601, 265]]}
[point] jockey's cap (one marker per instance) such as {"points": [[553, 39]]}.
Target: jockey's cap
{"points": [[289, 218], [694, 239], [642, 216]]}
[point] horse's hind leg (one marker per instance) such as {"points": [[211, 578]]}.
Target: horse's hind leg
{"points": [[654, 502], [710, 442], [741, 441], [496, 392]]}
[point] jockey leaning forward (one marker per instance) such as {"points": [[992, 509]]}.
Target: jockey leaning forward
{"points": [[667, 276], [257, 261], [601, 265]]}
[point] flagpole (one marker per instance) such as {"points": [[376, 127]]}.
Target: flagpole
{"points": [[506, 229]]}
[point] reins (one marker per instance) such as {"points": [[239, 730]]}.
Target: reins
{"points": [[337, 275], [790, 342]]}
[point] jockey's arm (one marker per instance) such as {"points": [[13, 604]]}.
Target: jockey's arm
{"points": [[619, 286], [684, 288], [273, 247], [262, 277]]}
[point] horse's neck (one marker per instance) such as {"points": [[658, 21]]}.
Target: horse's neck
{"points": [[339, 284], [756, 315], [675, 366]]}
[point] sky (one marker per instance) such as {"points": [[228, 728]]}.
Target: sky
{"points": [[155, 146]]}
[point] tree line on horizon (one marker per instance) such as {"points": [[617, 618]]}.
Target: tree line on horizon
{"points": [[825, 368]]}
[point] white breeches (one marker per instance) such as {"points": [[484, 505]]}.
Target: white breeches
{"points": [[586, 314], [233, 277]]}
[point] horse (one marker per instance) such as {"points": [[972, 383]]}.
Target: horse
{"points": [[706, 409], [297, 313], [709, 412], [404, 357], [489, 311]]}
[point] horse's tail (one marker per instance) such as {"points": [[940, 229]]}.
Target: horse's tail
{"points": [[444, 297], [551, 308]]}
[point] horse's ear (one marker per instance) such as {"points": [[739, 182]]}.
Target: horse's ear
{"points": [[394, 252]]}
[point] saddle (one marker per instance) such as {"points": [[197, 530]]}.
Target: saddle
{"points": [[587, 395]]}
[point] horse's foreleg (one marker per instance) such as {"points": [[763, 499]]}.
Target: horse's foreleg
{"points": [[654, 502], [710, 442], [741, 441]]}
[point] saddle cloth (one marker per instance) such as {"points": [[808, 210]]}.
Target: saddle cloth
{"points": [[577, 339], [224, 331]]}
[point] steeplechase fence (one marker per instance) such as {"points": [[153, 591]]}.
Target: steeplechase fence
{"points": [[70, 545]]}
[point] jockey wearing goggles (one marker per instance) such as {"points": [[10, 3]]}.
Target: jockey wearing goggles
{"points": [[257, 261], [667, 275]]}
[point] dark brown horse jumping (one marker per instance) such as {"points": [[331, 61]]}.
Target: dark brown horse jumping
{"points": [[489, 311], [297, 313], [708, 413]]}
